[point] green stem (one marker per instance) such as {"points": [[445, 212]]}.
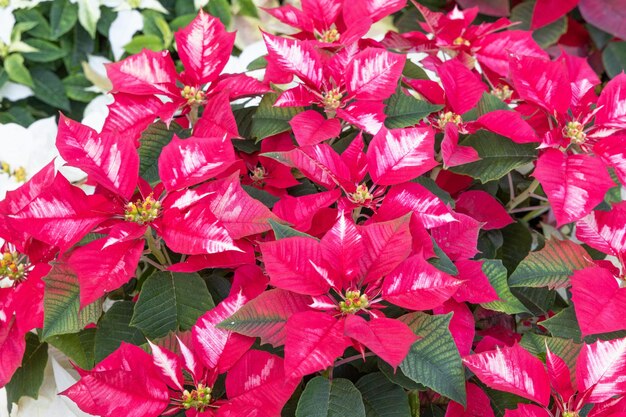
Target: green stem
{"points": [[414, 403], [523, 196], [153, 248]]}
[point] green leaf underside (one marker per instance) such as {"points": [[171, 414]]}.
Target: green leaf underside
{"points": [[434, 360]]}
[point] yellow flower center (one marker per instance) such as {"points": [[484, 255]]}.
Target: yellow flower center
{"points": [[134, 4], [18, 174], [331, 100], [503, 93], [448, 117], [198, 398], [353, 302], [362, 195], [461, 41], [13, 266], [330, 36], [575, 132], [5, 3], [571, 414], [142, 212], [193, 95]]}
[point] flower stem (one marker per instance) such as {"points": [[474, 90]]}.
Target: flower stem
{"points": [[352, 358], [153, 248], [523, 196]]}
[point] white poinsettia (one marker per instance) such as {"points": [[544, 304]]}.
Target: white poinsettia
{"points": [[7, 20], [97, 110], [128, 21], [25, 151], [88, 14]]}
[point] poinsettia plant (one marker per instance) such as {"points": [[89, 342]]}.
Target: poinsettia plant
{"points": [[427, 222]]}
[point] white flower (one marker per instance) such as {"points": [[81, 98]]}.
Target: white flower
{"points": [[119, 5], [121, 32], [25, 151], [14, 91], [88, 14]]}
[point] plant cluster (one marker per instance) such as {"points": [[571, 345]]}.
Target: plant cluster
{"points": [[354, 234]]}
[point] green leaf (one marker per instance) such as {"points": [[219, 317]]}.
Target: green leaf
{"points": [[79, 347], [496, 272], [270, 120], [498, 154], [247, 8], [63, 16], [75, 88], [550, 34], [88, 15], [62, 313], [382, 398], [551, 266], [14, 66], [49, 89], [153, 139], [139, 42], [489, 102], [434, 360], [28, 378], [243, 117], [258, 63], [442, 261], [516, 243], [282, 231], [614, 58], [566, 349], [39, 25], [221, 10], [170, 301], [403, 111], [325, 398], [156, 25], [263, 196], [414, 71], [46, 51], [113, 329], [564, 325]]}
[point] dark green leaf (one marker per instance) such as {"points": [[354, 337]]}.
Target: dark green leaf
{"points": [[516, 242], [564, 325], [221, 10], [263, 196], [153, 139], [403, 111], [247, 8], [489, 102], [434, 360], [270, 120], [75, 88], [414, 71], [62, 313], [46, 51], [28, 378], [63, 16], [49, 89], [550, 34], [169, 302], [614, 58], [282, 231], [498, 154], [507, 303], [113, 329], [325, 398], [382, 398], [79, 347], [551, 266], [40, 26]]}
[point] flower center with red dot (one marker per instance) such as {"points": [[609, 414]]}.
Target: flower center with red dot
{"points": [[353, 302], [258, 175], [330, 36], [574, 131], [448, 117], [199, 398], [461, 41], [362, 195], [331, 100], [13, 266], [193, 95], [142, 211], [502, 92]]}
